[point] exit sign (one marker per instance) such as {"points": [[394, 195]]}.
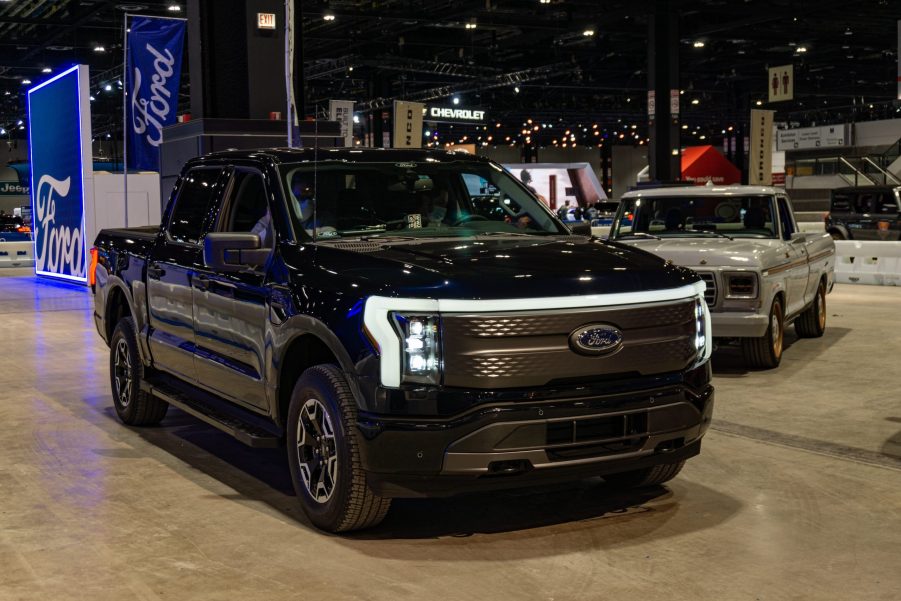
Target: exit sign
{"points": [[265, 20]]}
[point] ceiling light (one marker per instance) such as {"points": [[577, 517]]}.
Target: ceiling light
{"points": [[759, 103], [99, 49], [108, 88], [544, 1], [456, 100], [802, 49], [25, 82], [588, 32], [698, 44], [174, 8], [516, 89], [695, 101], [93, 99], [46, 70], [356, 118], [848, 31], [472, 24], [328, 17], [2, 132]]}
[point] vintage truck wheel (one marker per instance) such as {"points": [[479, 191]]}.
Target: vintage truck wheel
{"points": [[812, 322], [766, 352], [133, 406], [324, 457], [649, 476]]}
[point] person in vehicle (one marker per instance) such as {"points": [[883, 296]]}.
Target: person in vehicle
{"points": [[434, 208], [303, 197]]}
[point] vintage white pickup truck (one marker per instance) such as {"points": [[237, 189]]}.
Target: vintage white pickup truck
{"points": [[762, 273]]}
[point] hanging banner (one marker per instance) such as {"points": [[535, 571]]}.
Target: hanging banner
{"points": [[761, 152], [899, 59], [782, 83], [152, 81], [408, 124], [342, 111], [59, 130]]}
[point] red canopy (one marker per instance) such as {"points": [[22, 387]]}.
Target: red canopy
{"points": [[702, 164]]}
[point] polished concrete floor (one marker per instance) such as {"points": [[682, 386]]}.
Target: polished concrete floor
{"points": [[796, 495]]}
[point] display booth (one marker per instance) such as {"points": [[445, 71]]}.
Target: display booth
{"points": [[59, 127], [559, 183], [702, 164]]}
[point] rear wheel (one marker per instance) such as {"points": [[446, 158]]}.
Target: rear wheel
{"points": [[766, 352], [812, 322], [649, 476], [324, 456], [133, 406]]}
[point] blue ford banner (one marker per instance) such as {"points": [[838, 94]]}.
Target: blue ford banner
{"points": [[152, 74], [59, 129]]}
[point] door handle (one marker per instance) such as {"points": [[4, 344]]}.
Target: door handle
{"points": [[154, 271], [201, 282]]}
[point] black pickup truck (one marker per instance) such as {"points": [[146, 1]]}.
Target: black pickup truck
{"points": [[407, 324]]}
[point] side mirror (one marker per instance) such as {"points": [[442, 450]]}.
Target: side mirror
{"points": [[580, 228], [228, 251], [799, 238]]}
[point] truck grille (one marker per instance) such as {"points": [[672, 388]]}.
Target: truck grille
{"points": [[510, 349], [710, 293]]}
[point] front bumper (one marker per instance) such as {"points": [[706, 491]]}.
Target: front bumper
{"points": [[522, 443], [744, 324]]}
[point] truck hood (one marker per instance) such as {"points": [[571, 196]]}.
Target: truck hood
{"points": [[497, 267], [713, 252]]}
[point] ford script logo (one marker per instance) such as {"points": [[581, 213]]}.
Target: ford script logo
{"points": [[596, 339]]}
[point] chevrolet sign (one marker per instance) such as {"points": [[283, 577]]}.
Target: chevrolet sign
{"points": [[453, 115]]}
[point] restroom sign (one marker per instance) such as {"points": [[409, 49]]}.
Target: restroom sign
{"points": [[265, 20], [781, 83]]}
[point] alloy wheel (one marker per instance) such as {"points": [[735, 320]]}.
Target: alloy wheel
{"points": [[317, 451], [821, 307], [122, 377], [776, 333]]}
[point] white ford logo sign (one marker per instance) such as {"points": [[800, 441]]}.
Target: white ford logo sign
{"points": [[596, 339]]}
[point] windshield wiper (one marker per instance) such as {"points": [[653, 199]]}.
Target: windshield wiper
{"points": [[639, 235], [709, 233]]}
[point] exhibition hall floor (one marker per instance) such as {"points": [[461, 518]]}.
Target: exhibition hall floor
{"points": [[796, 494]]}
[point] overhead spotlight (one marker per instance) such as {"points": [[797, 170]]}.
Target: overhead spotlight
{"points": [[108, 88], [516, 89], [2, 132], [99, 49], [175, 8], [25, 82], [93, 99], [456, 100], [698, 43], [472, 24], [588, 32], [46, 70], [427, 133], [695, 101], [802, 49], [848, 31], [20, 122], [328, 17], [759, 103], [544, 1], [356, 118]]}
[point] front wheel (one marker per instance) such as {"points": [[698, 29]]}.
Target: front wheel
{"points": [[836, 235], [766, 352], [324, 457], [812, 322]]}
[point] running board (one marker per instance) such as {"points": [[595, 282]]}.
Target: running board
{"points": [[224, 420]]}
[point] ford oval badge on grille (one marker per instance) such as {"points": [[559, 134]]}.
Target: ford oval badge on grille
{"points": [[596, 339]]}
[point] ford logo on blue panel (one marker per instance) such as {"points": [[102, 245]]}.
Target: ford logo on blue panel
{"points": [[596, 339]]}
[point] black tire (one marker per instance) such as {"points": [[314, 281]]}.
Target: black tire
{"points": [[812, 322], [766, 352], [324, 456], [133, 406], [649, 476], [836, 235]]}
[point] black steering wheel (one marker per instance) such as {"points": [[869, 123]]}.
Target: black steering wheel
{"points": [[468, 218]]}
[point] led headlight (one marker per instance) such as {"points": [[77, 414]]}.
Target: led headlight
{"points": [[703, 341], [420, 348], [741, 285]]}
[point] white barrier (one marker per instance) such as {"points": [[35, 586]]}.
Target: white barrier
{"points": [[16, 254], [868, 262]]}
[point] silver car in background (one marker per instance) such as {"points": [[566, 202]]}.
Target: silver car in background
{"points": [[762, 273]]}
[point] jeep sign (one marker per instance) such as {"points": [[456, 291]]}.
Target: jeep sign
{"points": [[12, 189]]}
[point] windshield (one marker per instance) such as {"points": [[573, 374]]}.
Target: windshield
{"points": [[421, 199], [688, 216]]}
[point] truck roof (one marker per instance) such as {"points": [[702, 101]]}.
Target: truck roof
{"points": [[294, 155], [702, 191]]}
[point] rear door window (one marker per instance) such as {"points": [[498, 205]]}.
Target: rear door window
{"points": [[863, 202], [197, 198], [841, 202]]}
